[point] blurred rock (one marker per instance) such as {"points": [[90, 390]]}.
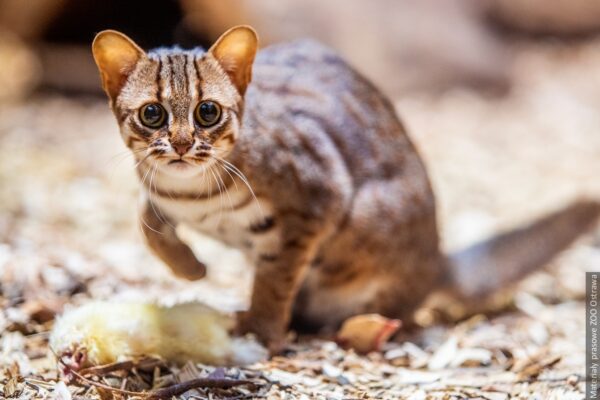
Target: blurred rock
{"points": [[29, 19], [61, 32], [557, 17], [69, 68], [19, 67]]}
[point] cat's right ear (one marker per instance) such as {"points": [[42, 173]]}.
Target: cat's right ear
{"points": [[116, 56]]}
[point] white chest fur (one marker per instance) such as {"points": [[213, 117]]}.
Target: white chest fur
{"points": [[228, 216]]}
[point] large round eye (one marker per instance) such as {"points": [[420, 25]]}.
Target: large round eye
{"points": [[207, 113], [152, 115]]}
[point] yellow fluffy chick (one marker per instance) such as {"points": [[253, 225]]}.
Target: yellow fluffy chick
{"points": [[104, 332]]}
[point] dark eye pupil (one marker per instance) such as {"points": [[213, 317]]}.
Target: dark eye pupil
{"points": [[152, 113], [209, 112]]}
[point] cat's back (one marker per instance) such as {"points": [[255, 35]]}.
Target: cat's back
{"points": [[303, 53], [301, 69], [303, 94]]}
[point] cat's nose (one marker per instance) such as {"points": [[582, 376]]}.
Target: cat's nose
{"points": [[181, 147]]}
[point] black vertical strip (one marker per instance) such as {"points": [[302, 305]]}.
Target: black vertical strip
{"points": [[198, 78], [185, 74], [171, 75], [159, 80]]}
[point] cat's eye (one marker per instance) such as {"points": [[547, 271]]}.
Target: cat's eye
{"points": [[153, 115], [207, 113]]}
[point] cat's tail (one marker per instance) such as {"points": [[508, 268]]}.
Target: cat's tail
{"points": [[482, 269]]}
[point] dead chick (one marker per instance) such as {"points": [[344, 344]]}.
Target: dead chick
{"points": [[104, 332]]}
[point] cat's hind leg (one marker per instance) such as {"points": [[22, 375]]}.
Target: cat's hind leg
{"points": [[385, 258]]}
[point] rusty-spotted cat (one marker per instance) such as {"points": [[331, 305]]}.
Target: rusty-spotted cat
{"points": [[308, 171]]}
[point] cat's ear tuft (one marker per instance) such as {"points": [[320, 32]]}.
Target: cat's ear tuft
{"points": [[235, 51], [116, 56]]}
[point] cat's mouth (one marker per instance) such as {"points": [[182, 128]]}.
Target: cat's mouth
{"points": [[186, 162], [182, 164], [179, 164]]}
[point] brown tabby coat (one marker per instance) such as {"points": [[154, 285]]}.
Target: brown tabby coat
{"points": [[308, 171]]}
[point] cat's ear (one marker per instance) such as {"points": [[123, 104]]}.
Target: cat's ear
{"points": [[235, 51], [116, 56]]}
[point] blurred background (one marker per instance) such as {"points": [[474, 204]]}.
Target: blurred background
{"points": [[501, 98], [401, 45]]}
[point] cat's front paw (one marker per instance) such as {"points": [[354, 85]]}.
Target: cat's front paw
{"points": [[192, 270], [269, 331]]}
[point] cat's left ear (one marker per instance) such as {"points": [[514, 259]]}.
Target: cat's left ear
{"points": [[116, 56], [235, 51]]}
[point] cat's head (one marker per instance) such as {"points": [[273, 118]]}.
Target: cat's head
{"points": [[177, 109]]}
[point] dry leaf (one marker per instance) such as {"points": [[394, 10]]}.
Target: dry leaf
{"points": [[533, 369], [13, 387]]}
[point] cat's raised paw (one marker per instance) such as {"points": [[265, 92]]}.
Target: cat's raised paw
{"points": [[192, 272]]}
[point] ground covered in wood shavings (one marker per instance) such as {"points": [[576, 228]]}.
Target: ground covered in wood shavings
{"points": [[68, 234]]}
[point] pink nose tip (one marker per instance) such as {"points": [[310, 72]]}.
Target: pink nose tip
{"points": [[182, 147]]}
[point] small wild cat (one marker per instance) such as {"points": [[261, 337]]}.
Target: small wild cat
{"points": [[308, 171]]}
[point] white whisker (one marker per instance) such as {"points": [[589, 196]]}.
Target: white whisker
{"points": [[158, 212], [143, 159], [226, 190], [230, 167], [150, 201], [220, 197]]}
